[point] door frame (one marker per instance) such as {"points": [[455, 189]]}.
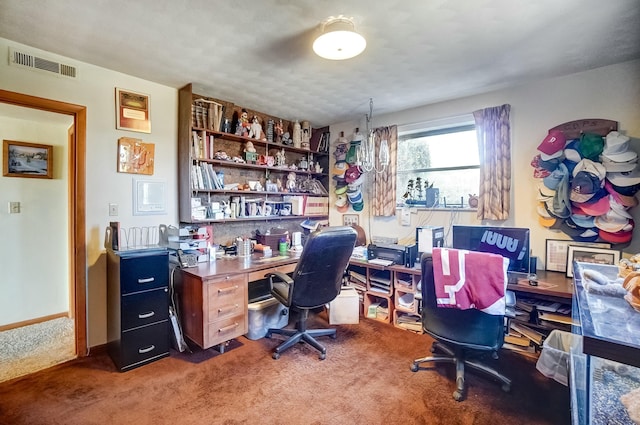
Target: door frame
{"points": [[77, 208]]}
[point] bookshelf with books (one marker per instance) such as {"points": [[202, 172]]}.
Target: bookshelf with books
{"points": [[220, 171]]}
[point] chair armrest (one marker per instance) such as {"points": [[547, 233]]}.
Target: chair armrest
{"points": [[510, 299], [281, 287]]}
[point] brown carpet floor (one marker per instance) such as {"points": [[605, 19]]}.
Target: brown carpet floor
{"points": [[365, 379]]}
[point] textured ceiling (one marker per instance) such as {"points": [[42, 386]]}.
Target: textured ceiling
{"points": [[257, 53]]}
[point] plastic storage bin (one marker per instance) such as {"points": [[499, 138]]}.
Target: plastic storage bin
{"points": [[554, 359], [345, 308], [265, 314]]}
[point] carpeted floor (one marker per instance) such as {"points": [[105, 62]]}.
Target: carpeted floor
{"points": [[35, 347], [365, 379]]}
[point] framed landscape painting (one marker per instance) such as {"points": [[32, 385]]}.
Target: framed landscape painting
{"points": [[25, 159]]}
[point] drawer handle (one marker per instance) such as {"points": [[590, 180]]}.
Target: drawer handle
{"points": [[227, 310], [146, 350], [229, 289], [228, 328], [147, 280], [146, 315]]}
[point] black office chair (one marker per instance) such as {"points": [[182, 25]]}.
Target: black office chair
{"points": [[463, 336], [315, 282]]}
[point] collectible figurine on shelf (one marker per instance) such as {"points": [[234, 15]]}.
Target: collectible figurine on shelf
{"points": [[281, 159], [286, 139], [242, 128], [248, 147], [297, 135], [250, 154], [291, 181], [278, 131], [255, 129]]}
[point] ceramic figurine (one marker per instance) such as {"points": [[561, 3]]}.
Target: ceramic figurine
{"points": [[255, 129], [291, 181], [278, 131], [297, 135]]}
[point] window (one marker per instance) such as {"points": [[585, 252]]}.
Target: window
{"points": [[443, 157]]}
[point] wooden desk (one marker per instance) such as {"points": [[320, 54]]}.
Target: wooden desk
{"points": [[552, 286], [213, 297]]}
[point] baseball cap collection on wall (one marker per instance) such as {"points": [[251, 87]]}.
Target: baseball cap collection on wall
{"points": [[588, 177]]}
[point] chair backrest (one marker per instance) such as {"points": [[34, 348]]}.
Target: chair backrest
{"points": [[470, 328], [324, 259]]}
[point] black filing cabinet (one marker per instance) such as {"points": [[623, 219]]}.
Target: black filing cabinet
{"points": [[137, 306]]}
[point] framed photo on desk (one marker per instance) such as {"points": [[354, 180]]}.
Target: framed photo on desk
{"points": [[557, 249], [590, 255]]}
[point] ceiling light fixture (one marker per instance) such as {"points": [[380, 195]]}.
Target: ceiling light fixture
{"points": [[339, 39]]}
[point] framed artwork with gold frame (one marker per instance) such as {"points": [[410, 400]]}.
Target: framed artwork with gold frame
{"points": [[132, 111], [26, 159]]}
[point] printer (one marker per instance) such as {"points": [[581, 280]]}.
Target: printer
{"points": [[404, 255]]}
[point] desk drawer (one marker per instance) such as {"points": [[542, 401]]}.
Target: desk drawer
{"points": [[227, 329], [227, 291], [144, 308], [259, 275], [218, 311]]}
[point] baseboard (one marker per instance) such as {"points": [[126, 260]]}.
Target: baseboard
{"points": [[34, 321]]}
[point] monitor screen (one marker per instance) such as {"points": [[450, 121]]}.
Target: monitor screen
{"points": [[510, 242]]}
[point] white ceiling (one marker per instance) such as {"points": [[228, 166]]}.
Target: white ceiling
{"points": [[257, 53]]}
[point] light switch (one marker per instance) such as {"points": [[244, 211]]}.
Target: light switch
{"points": [[113, 209], [14, 207]]}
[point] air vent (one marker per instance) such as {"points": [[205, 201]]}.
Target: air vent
{"points": [[26, 60]]}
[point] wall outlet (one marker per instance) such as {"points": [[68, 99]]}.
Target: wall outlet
{"points": [[113, 209]]}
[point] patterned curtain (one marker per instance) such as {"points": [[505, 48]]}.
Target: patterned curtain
{"points": [[384, 188], [494, 144]]}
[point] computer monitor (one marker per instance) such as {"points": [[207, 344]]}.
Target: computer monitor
{"points": [[510, 242]]}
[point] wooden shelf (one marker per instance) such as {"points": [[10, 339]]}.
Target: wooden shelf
{"points": [[255, 192], [225, 163], [260, 218], [208, 141], [268, 145]]}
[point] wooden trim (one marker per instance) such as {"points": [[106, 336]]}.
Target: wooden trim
{"points": [[33, 321], [77, 199]]}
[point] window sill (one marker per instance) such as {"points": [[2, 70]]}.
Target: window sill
{"points": [[465, 209]]}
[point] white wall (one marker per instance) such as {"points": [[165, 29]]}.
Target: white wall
{"points": [[34, 266], [95, 89], [611, 92]]}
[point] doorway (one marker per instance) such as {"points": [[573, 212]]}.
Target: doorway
{"points": [[77, 200]]}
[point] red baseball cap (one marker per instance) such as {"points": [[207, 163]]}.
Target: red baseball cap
{"points": [[553, 143]]}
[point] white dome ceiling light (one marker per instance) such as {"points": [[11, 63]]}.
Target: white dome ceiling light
{"points": [[339, 40]]}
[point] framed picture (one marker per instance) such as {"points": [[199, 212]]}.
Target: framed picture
{"points": [[135, 156], [587, 254], [24, 159], [350, 219], [132, 111], [557, 249]]}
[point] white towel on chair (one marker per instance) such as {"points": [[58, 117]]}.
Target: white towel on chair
{"points": [[469, 279]]}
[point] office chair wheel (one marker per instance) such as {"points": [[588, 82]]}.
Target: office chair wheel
{"points": [[275, 356], [322, 356], [458, 395], [414, 367], [506, 388]]}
